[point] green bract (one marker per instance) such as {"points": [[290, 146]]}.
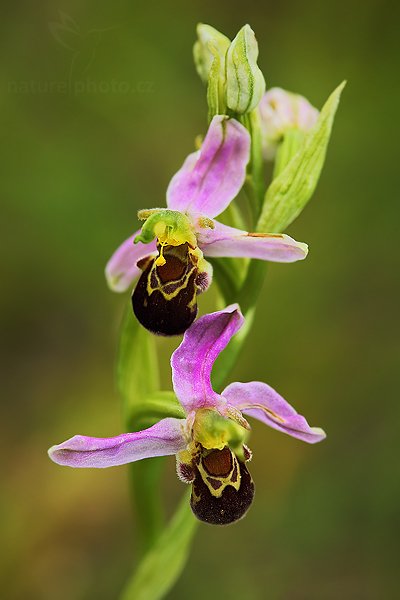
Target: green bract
{"points": [[209, 56], [209, 44], [287, 149], [290, 191]]}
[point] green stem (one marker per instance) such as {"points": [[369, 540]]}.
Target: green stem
{"points": [[255, 186], [226, 279], [162, 565], [246, 297], [165, 548], [252, 285], [144, 482]]}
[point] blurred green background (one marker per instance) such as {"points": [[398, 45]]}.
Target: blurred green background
{"points": [[93, 124]]}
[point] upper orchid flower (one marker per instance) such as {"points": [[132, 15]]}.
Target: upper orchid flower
{"points": [[209, 439], [280, 112], [169, 248]]}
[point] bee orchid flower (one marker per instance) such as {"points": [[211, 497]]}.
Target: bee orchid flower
{"points": [[209, 439], [167, 253]]}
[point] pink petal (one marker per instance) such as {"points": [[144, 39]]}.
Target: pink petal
{"points": [[228, 241], [210, 178], [262, 402], [193, 360], [165, 437], [121, 269]]}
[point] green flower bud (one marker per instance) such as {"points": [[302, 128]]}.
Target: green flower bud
{"points": [[211, 44], [209, 56], [245, 83]]}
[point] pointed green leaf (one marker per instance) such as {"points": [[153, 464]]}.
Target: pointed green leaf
{"points": [[290, 191], [287, 149], [162, 565]]}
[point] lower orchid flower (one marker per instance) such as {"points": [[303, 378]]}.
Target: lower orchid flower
{"points": [[167, 253], [209, 439]]}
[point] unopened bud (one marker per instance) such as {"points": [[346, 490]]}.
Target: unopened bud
{"points": [[209, 43], [245, 82]]}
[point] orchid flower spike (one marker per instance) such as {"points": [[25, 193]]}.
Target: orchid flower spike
{"points": [[167, 253], [209, 439]]}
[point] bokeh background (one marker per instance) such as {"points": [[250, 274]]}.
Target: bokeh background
{"points": [[94, 121]]}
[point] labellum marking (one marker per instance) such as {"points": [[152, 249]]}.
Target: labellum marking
{"points": [[218, 462], [223, 489], [165, 298], [215, 483]]}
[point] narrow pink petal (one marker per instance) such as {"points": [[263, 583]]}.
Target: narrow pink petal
{"points": [[121, 269], [211, 178], [262, 402], [165, 437], [193, 360], [228, 241]]}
